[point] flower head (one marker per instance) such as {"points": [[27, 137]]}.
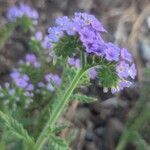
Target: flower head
{"points": [[122, 69], [15, 12], [32, 60], [55, 33], [83, 32]]}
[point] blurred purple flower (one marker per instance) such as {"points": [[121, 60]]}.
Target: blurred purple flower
{"points": [[125, 55], [92, 73], [74, 62], [112, 52], [15, 12], [38, 36], [53, 78], [55, 33], [30, 87]]}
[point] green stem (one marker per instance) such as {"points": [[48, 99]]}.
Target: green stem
{"points": [[58, 110]]}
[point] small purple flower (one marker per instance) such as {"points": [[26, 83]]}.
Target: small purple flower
{"points": [[71, 28], [46, 44], [100, 49], [71, 61], [121, 85], [38, 36], [15, 74], [74, 62], [30, 87], [112, 52], [53, 78], [55, 33], [25, 77], [85, 19], [63, 21], [132, 71], [13, 13], [21, 83], [122, 69], [115, 89], [37, 64], [92, 73], [28, 11], [124, 84], [56, 79], [48, 77], [21, 10], [34, 14], [87, 35], [125, 55], [31, 58], [90, 19], [49, 87]]}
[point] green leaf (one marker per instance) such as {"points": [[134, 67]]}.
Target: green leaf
{"points": [[6, 32], [107, 75], [15, 128], [83, 98], [35, 46], [57, 143], [24, 22], [66, 46]]}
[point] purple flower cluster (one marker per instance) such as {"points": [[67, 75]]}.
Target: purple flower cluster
{"points": [[74, 62], [22, 10], [22, 81], [89, 30], [31, 59], [51, 81]]}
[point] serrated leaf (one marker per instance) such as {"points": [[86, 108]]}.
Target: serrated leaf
{"points": [[66, 46], [15, 128], [57, 143], [107, 75], [83, 98]]}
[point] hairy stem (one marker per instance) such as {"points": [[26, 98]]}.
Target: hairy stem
{"points": [[58, 110]]}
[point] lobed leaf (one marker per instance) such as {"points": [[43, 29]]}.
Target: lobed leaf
{"points": [[16, 128]]}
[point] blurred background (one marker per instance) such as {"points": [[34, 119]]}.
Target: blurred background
{"points": [[98, 126]]}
